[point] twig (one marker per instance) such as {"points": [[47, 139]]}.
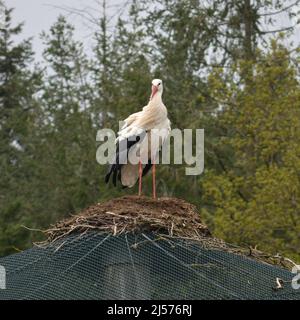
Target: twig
{"points": [[31, 229]]}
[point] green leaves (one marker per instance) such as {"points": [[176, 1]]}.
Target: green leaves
{"points": [[218, 75], [256, 198]]}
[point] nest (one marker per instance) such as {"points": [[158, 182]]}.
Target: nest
{"points": [[166, 217]]}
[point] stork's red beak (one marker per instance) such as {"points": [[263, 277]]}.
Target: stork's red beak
{"points": [[154, 90]]}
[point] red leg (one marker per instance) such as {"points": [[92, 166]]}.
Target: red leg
{"points": [[153, 180], [140, 178]]}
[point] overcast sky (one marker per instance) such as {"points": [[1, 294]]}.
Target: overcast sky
{"points": [[39, 15]]}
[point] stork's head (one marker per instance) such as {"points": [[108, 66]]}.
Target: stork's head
{"points": [[157, 86]]}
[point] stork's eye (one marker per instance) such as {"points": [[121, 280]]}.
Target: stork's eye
{"points": [[158, 84]]}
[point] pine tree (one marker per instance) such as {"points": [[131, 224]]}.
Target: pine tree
{"points": [[121, 68], [69, 179], [18, 111], [254, 198]]}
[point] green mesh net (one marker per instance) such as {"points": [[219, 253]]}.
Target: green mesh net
{"points": [[102, 266]]}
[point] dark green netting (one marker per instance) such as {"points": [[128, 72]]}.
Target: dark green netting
{"points": [[102, 266]]}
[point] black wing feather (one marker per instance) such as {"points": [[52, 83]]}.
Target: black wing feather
{"points": [[147, 167], [122, 154]]}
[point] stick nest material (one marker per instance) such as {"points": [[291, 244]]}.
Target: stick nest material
{"points": [[166, 217], [170, 216]]}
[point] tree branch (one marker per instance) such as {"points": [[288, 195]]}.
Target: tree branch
{"points": [[280, 11]]}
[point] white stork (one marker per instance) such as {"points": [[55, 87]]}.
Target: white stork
{"points": [[137, 129]]}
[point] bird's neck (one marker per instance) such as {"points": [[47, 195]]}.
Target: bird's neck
{"points": [[157, 99]]}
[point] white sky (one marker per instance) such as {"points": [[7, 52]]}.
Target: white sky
{"points": [[39, 15]]}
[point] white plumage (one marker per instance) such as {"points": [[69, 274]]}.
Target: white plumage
{"points": [[141, 124]]}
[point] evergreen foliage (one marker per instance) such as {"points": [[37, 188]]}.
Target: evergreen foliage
{"points": [[226, 69]]}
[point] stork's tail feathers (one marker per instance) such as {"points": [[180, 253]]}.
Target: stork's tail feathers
{"points": [[115, 171], [122, 149]]}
